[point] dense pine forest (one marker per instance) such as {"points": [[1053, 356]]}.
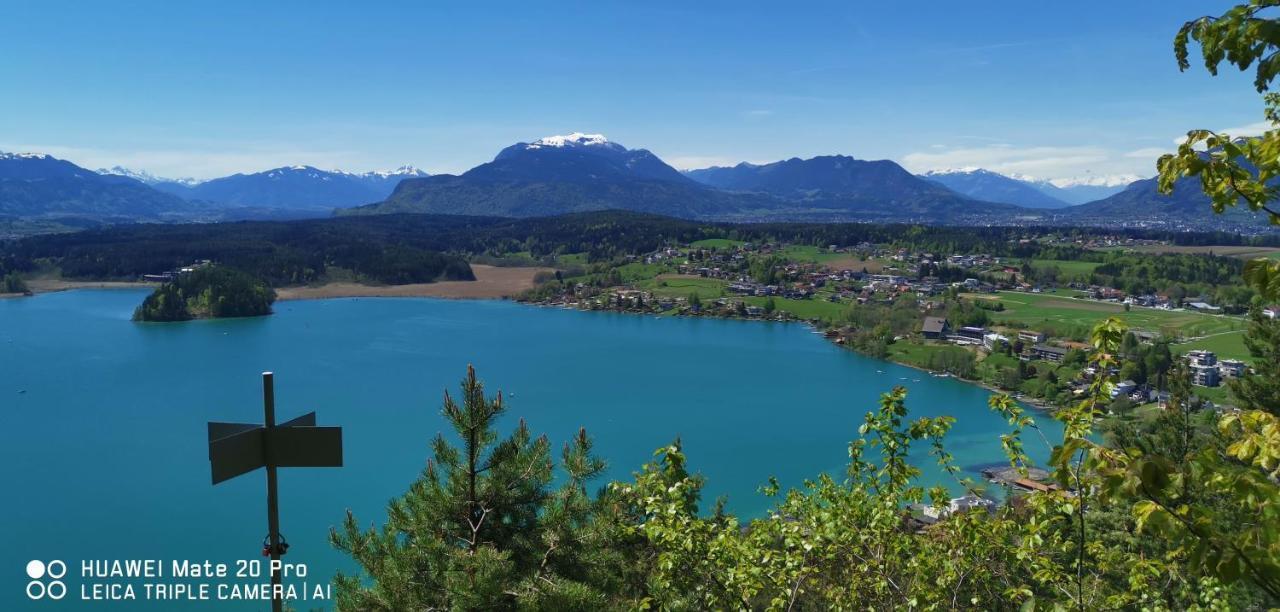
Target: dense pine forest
{"points": [[399, 249], [207, 292]]}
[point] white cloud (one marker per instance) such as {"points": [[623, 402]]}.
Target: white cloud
{"points": [[1150, 153], [1039, 161], [1256, 128]]}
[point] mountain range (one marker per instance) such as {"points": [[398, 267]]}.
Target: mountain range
{"points": [[561, 174], [842, 184], [287, 188], [988, 185], [1025, 191], [36, 186], [582, 172], [1141, 202]]}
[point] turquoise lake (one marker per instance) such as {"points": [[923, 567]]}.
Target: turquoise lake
{"points": [[103, 448]]}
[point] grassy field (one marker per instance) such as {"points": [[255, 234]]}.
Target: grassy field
{"points": [[918, 355], [572, 259], [1067, 269], [1227, 346], [835, 261], [677, 285], [636, 272], [1218, 395], [717, 243], [804, 309], [813, 254], [1037, 308], [915, 354], [1243, 252]]}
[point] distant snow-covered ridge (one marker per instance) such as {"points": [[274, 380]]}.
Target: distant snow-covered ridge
{"points": [[572, 139], [402, 172], [1109, 180], [1112, 180], [4, 155]]}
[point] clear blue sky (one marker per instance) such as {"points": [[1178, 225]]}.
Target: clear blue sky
{"points": [[1049, 89]]}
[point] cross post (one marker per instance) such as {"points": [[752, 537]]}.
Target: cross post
{"points": [[240, 448]]}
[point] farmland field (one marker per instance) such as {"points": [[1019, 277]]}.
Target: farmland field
{"points": [[717, 243], [1243, 252], [1037, 308], [814, 254], [681, 285], [1227, 346], [835, 261], [634, 272], [1066, 268], [804, 309]]}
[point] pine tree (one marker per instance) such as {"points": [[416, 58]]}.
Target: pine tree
{"points": [[482, 527], [1261, 390]]}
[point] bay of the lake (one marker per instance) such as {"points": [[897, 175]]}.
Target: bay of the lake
{"points": [[103, 445]]}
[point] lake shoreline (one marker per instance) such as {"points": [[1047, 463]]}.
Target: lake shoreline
{"points": [[491, 283], [54, 285]]}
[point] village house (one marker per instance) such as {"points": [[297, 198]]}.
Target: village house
{"points": [[1204, 307], [1204, 368], [1205, 376], [958, 504], [1044, 352], [1231, 368], [1124, 387], [1200, 358], [935, 328], [1033, 337], [968, 335]]}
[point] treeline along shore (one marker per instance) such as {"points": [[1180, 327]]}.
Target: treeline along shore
{"points": [[407, 248]]}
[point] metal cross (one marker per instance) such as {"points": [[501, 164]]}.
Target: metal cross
{"points": [[240, 448]]}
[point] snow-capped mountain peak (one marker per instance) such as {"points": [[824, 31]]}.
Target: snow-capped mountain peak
{"points": [[1111, 180], [402, 171], [960, 170], [145, 177], [570, 140], [4, 155]]}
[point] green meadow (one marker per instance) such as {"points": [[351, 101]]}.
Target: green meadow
{"points": [[674, 285], [816, 308], [1227, 346], [1066, 268], [717, 243], [1032, 309], [811, 254]]}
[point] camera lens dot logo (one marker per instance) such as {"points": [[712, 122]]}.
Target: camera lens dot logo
{"points": [[38, 589], [35, 569]]}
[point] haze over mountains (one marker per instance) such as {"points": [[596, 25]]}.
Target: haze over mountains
{"points": [[1030, 193], [36, 186], [288, 188], [582, 172], [987, 185]]}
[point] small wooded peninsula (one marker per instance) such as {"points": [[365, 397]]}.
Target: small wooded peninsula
{"points": [[207, 292]]}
